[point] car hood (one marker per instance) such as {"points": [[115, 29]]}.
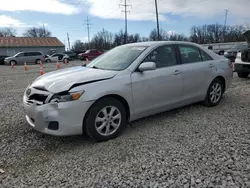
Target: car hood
{"points": [[246, 35], [63, 80], [8, 58]]}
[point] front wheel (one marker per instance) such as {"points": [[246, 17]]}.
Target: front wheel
{"points": [[214, 93], [243, 74], [105, 120]]}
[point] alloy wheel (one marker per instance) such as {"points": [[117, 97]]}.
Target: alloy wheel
{"points": [[108, 120], [215, 92]]}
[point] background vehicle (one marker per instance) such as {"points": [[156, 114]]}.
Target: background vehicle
{"points": [[231, 53], [242, 62], [90, 54], [57, 57], [100, 98], [28, 57], [72, 55], [2, 57]]}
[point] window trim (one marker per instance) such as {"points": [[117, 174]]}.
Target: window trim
{"points": [[199, 49], [207, 55], [174, 50]]}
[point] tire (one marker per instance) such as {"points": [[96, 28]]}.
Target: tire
{"points": [[65, 60], [37, 61], [90, 125], [48, 61], [243, 74], [210, 101], [221, 53], [13, 61]]}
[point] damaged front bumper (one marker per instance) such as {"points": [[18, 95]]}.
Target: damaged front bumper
{"points": [[60, 119]]}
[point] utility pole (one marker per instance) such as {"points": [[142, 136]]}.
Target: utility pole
{"points": [[125, 5], [68, 41], [225, 23], [157, 20], [103, 38], [88, 27], [43, 30]]}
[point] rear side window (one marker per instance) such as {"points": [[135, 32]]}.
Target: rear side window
{"points": [[205, 56], [189, 54], [163, 56]]}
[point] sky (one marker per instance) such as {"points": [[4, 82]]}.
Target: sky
{"points": [[69, 16]]}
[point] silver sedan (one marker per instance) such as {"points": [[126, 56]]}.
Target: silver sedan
{"points": [[124, 84]]}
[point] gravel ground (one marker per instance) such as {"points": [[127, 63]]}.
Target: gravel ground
{"points": [[193, 146]]}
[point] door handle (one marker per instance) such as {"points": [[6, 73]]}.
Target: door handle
{"points": [[211, 65], [176, 72]]}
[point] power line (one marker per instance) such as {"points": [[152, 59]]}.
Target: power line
{"points": [[88, 27], [125, 5]]}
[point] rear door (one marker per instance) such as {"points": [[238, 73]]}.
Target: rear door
{"points": [[197, 71], [28, 57]]}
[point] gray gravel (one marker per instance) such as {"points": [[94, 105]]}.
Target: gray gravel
{"points": [[193, 146]]}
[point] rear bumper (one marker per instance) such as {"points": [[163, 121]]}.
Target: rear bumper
{"points": [[240, 67], [230, 57]]}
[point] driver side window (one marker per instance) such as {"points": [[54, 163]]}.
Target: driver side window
{"points": [[163, 56]]}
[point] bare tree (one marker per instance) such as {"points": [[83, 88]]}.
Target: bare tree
{"points": [[178, 37], [37, 32], [153, 35], [78, 45], [215, 33], [7, 32]]}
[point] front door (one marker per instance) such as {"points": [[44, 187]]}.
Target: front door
{"points": [[159, 88]]}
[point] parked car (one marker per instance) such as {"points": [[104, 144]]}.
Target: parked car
{"points": [[231, 53], [90, 54], [242, 62], [2, 57], [124, 84], [72, 55], [57, 57], [28, 57]]}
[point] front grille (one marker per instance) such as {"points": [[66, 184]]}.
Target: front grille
{"points": [[38, 97]]}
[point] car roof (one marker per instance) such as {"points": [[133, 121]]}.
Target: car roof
{"points": [[157, 43]]}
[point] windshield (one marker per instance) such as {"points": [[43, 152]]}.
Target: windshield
{"points": [[118, 58], [239, 46], [87, 51], [17, 54]]}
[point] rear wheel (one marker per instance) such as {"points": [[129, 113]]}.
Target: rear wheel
{"points": [[105, 120], [38, 61], [243, 74], [48, 61], [214, 93]]}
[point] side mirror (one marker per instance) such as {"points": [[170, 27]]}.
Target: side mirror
{"points": [[147, 66]]}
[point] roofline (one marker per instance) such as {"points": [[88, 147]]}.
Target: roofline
{"points": [[31, 46]]}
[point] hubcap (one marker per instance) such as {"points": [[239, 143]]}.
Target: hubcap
{"points": [[108, 120], [215, 93]]}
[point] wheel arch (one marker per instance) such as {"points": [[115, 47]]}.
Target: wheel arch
{"points": [[223, 80], [117, 97]]}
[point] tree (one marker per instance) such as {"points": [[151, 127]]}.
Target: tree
{"points": [[178, 37], [215, 33], [37, 32], [7, 32], [78, 45], [153, 35]]}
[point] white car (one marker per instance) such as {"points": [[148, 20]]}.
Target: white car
{"points": [[242, 61], [57, 57], [124, 84]]}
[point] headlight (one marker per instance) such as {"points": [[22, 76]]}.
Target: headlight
{"points": [[71, 96]]}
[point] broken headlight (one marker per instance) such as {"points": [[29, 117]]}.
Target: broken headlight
{"points": [[65, 97]]}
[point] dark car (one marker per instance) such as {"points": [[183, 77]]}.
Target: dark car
{"points": [[2, 57], [231, 53], [72, 55], [90, 54]]}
